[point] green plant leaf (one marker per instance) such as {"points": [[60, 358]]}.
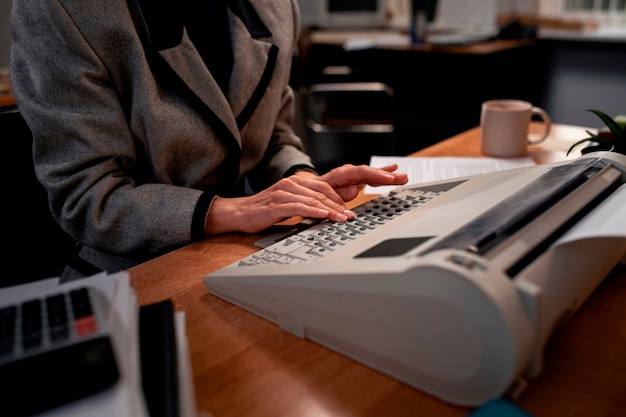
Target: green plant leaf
{"points": [[618, 144], [592, 138], [615, 128]]}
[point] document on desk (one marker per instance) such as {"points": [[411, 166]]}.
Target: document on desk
{"points": [[437, 168]]}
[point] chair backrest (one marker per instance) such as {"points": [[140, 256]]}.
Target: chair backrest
{"points": [[35, 246], [348, 121], [350, 107]]}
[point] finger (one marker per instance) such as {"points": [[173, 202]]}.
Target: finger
{"points": [[314, 187], [312, 193], [311, 210], [283, 203], [363, 174], [390, 167], [398, 178]]}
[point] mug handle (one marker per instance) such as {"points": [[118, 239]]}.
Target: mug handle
{"points": [[547, 122]]}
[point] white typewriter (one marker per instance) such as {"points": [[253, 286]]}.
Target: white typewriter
{"points": [[453, 287]]}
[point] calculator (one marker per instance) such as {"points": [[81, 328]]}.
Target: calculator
{"points": [[54, 350]]}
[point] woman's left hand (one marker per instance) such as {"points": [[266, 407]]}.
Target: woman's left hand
{"points": [[348, 180]]}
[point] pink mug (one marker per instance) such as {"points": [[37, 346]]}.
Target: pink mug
{"points": [[505, 127]]}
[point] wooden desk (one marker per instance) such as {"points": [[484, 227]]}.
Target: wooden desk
{"points": [[398, 39], [386, 39], [6, 98], [246, 366]]}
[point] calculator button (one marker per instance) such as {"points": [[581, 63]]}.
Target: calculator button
{"points": [[31, 324], [85, 326], [8, 316], [57, 317]]}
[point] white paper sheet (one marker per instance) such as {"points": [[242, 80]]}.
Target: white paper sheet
{"points": [[606, 220], [428, 169], [185, 372]]}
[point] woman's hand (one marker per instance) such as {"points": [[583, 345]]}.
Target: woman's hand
{"points": [[349, 180], [302, 194]]}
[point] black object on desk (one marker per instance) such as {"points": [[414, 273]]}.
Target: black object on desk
{"points": [[159, 363]]}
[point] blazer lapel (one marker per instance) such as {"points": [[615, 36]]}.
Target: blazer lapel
{"points": [[254, 60], [188, 65], [254, 57]]}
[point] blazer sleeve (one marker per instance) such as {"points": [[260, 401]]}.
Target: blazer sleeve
{"points": [[84, 152]]}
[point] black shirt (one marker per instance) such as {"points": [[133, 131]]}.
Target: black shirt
{"points": [[207, 25]]}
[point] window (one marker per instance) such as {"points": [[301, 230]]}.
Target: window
{"points": [[604, 12]]}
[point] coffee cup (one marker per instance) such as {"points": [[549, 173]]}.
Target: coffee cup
{"points": [[505, 126]]}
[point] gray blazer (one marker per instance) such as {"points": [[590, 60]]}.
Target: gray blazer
{"points": [[130, 128]]}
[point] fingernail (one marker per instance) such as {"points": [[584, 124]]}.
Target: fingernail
{"points": [[348, 213], [341, 217]]}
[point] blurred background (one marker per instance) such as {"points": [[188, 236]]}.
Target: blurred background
{"points": [[5, 33], [575, 61]]}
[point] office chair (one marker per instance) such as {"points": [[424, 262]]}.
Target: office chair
{"points": [[35, 245], [347, 120]]}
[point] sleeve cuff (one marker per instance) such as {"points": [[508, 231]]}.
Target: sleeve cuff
{"points": [[299, 167], [199, 216]]}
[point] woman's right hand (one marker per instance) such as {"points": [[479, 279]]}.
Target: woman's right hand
{"points": [[292, 196]]}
